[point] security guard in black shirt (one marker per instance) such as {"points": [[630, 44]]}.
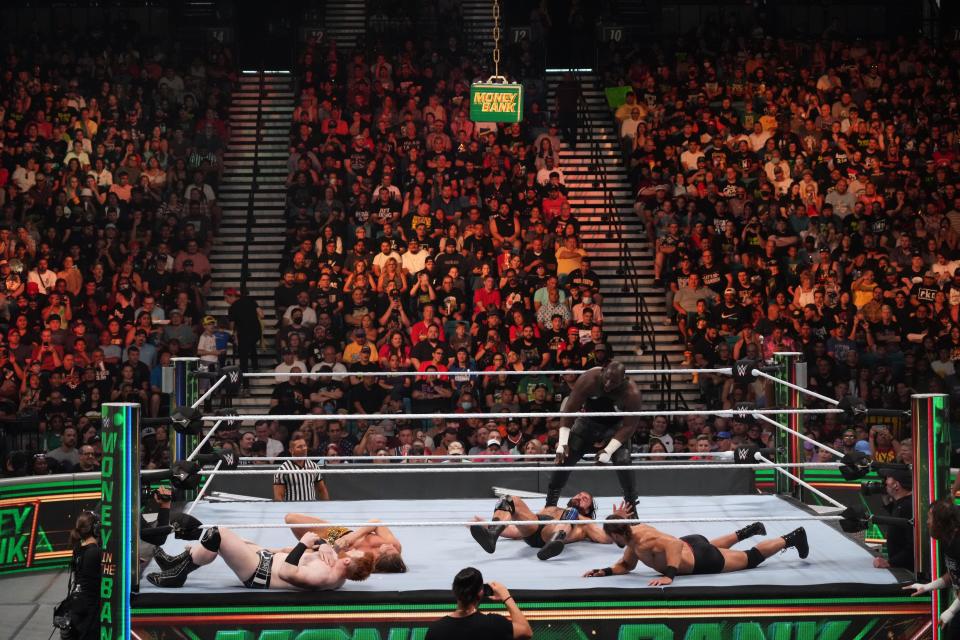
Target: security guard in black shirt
{"points": [[898, 502]]}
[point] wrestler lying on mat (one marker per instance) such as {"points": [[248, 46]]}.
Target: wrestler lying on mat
{"points": [[311, 565], [692, 554], [551, 538], [376, 540]]}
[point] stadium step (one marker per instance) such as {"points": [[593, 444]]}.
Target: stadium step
{"points": [[262, 150], [345, 22], [590, 182], [477, 24]]}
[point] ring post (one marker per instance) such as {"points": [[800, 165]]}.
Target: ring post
{"points": [[787, 448], [931, 481], [119, 516], [185, 393]]}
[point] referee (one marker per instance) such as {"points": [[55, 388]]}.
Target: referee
{"points": [[299, 487]]}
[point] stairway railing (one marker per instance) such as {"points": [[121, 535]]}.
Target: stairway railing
{"points": [[642, 322], [663, 382], [254, 186]]}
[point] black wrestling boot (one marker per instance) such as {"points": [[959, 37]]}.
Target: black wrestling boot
{"points": [[166, 561], [553, 548], [175, 576], [487, 537], [798, 539], [755, 529]]}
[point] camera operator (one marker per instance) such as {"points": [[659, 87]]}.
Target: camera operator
{"points": [[898, 501], [467, 623], [78, 613], [154, 518]]}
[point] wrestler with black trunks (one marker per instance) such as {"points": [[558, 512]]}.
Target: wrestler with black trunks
{"points": [[943, 520], [690, 555], [559, 526], [601, 389], [311, 565]]}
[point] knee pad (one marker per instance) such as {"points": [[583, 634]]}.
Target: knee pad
{"points": [[754, 558], [211, 540], [186, 527], [621, 455]]}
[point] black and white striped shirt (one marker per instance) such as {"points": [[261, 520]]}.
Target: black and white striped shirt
{"points": [[300, 486]]}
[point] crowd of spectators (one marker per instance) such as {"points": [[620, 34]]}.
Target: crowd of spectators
{"points": [[802, 196], [794, 201], [419, 240], [110, 157], [799, 195]]}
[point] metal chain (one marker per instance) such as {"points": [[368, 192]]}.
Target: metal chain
{"points": [[496, 37]]}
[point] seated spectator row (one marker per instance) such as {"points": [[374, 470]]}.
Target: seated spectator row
{"points": [[110, 156]]}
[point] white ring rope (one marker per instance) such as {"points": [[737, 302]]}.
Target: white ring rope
{"points": [[501, 468], [796, 387], [825, 447], [494, 523], [719, 455], [376, 417], [800, 481], [203, 490], [208, 392], [507, 372], [206, 438]]}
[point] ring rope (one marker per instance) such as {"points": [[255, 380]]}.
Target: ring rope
{"points": [[724, 413], [825, 447], [720, 455], [796, 387], [203, 489], [493, 523], [801, 481], [206, 438], [508, 372], [209, 392], [501, 468]]}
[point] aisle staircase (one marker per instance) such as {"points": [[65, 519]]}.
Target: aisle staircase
{"points": [[477, 17], [255, 171], [345, 21], [600, 232]]}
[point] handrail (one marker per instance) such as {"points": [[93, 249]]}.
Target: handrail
{"points": [[664, 381], [254, 186], [642, 325], [680, 402]]}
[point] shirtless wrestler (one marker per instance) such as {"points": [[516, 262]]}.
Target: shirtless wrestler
{"points": [[312, 565], [559, 526], [692, 554], [376, 540]]}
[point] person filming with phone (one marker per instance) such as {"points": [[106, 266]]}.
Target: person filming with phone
{"points": [[467, 623]]}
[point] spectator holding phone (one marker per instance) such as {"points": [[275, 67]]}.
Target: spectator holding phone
{"points": [[467, 623]]}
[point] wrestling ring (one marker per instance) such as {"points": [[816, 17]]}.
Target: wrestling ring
{"points": [[835, 592]]}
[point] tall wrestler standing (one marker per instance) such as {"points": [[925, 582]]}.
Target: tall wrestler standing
{"points": [[601, 389]]}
